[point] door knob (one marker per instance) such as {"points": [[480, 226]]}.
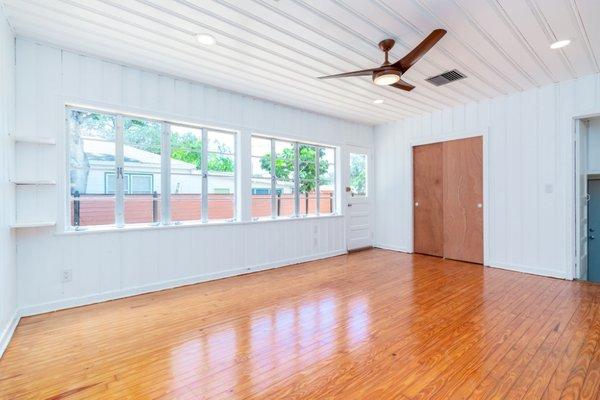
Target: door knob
{"points": [[479, 205], [417, 204], [349, 205]]}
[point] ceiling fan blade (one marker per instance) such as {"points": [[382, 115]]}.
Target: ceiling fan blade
{"points": [[403, 85], [415, 55], [363, 72]]}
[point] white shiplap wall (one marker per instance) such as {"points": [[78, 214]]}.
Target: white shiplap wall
{"points": [[529, 164], [112, 264], [8, 269]]}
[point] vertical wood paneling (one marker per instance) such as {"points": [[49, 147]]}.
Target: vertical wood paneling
{"points": [[8, 268], [107, 263], [528, 162]]}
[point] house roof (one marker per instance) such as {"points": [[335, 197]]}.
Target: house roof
{"points": [[103, 151]]}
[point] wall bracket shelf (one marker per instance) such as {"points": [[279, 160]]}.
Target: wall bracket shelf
{"points": [[35, 224], [34, 140], [33, 182]]}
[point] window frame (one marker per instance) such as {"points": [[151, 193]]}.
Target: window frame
{"points": [[296, 178], [165, 171]]}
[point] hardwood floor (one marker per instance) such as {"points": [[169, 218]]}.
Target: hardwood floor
{"points": [[371, 325]]}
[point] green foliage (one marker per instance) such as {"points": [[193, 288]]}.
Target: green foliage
{"points": [[358, 170], [146, 135], [217, 162], [92, 125], [307, 171], [187, 148]]}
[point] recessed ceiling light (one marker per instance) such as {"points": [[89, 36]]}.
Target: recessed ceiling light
{"points": [[206, 39], [378, 101], [560, 43]]}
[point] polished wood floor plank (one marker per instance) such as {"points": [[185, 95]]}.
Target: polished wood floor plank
{"points": [[371, 325]]}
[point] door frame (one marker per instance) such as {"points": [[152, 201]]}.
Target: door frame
{"points": [[345, 160], [444, 137], [573, 222]]}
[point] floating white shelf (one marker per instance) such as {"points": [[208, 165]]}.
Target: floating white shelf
{"points": [[34, 140], [38, 224], [33, 182]]}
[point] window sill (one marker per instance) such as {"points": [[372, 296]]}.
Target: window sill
{"points": [[147, 227]]}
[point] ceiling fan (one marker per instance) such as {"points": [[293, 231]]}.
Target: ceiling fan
{"points": [[390, 74]]}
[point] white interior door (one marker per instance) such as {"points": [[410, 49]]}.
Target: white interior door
{"points": [[359, 229]]}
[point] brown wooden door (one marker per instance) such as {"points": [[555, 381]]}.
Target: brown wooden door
{"points": [[428, 199], [463, 199]]}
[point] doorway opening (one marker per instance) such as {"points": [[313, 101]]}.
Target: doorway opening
{"points": [[587, 196]]}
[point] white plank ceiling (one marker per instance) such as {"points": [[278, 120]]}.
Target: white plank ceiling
{"points": [[275, 49]]}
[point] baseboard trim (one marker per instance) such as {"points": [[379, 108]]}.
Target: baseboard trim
{"points": [[510, 267], [8, 332], [134, 291], [530, 270], [391, 247]]}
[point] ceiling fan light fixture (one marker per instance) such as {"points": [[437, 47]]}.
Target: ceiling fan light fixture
{"points": [[206, 39], [560, 44], [386, 78]]}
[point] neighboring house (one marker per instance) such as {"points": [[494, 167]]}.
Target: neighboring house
{"points": [[142, 173]]}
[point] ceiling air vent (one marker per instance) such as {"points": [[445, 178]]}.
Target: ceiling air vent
{"points": [[446, 77]]}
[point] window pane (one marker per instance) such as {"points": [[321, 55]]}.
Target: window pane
{"points": [[327, 200], [284, 160], [186, 174], [284, 199], [307, 162], [221, 163], [327, 175], [221, 142], [221, 179], [221, 189], [261, 166], [327, 154], [91, 156], [260, 147], [358, 174], [261, 197], [142, 169], [307, 190], [326, 180]]}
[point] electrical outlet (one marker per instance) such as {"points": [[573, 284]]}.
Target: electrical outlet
{"points": [[66, 275]]}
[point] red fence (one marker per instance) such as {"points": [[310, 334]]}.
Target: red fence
{"points": [[100, 209]]}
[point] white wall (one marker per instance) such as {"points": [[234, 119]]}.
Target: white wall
{"points": [[8, 271], [529, 164], [111, 264]]}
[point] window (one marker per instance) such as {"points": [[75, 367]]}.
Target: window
{"points": [[220, 175], [186, 173], [119, 165], [143, 183], [358, 174], [291, 179], [125, 169], [261, 177], [92, 149]]}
